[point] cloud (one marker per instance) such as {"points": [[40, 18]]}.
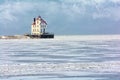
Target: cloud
{"points": [[10, 11], [112, 13], [115, 1], [70, 14], [95, 8]]}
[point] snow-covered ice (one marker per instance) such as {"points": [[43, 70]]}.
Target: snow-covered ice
{"points": [[66, 57]]}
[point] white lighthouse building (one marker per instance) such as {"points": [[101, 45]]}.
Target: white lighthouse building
{"points": [[38, 26]]}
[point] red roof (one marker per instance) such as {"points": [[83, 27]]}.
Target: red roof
{"points": [[33, 23], [43, 21]]}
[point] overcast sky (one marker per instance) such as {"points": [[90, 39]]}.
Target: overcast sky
{"points": [[72, 17]]}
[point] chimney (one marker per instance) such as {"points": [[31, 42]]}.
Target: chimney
{"points": [[34, 20]]}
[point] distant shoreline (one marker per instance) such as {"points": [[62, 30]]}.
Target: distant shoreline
{"points": [[28, 36], [15, 37]]}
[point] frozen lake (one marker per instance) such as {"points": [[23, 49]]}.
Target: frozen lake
{"points": [[65, 57]]}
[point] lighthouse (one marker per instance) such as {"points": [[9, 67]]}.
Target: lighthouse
{"points": [[38, 26], [38, 29]]}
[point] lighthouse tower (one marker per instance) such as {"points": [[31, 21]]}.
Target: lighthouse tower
{"points": [[38, 26]]}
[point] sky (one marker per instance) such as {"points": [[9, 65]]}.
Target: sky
{"points": [[64, 17]]}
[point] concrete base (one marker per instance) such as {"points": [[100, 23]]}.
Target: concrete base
{"points": [[45, 35]]}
